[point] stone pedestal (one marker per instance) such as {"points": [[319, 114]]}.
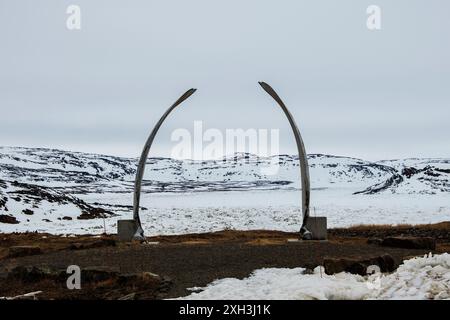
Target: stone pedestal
{"points": [[126, 229], [318, 227]]}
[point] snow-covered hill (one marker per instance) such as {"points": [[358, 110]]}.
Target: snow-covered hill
{"points": [[24, 199], [80, 173], [61, 186], [91, 173]]}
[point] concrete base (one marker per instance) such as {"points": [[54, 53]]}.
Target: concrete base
{"points": [[126, 229], [318, 227]]}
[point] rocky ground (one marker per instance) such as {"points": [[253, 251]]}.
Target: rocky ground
{"points": [[167, 266]]}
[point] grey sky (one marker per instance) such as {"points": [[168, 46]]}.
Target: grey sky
{"points": [[369, 94]]}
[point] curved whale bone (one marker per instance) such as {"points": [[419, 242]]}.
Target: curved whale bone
{"points": [[139, 235], [304, 169]]}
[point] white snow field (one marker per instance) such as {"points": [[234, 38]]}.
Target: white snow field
{"points": [[419, 278], [197, 212]]}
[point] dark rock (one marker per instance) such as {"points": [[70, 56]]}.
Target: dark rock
{"points": [[93, 213], [308, 271], [359, 266], [97, 244], [408, 172], [30, 274], [28, 212], [4, 218], [376, 241], [22, 251], [410, 242], [100, 273], [67, 218], [393, 181], [165, 284]]}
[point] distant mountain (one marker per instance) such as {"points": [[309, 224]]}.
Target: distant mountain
{"points": [[35, 179]]}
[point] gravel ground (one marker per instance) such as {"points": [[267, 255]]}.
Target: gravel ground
{"points": [[193, 260]]}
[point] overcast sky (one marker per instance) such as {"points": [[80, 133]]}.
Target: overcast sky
{"points": [[369, 94]]}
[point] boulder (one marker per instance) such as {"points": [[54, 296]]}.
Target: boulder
{"points": [[358, 265], [99, 273], [32, 274], [4, 218], [22, 251], [96, 244], [28, 212], [427, 243], [376, 241]]}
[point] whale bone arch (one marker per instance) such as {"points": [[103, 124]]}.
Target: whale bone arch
{"points": [[304, 169]]}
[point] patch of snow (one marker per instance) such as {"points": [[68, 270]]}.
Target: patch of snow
{"points": [[425, 277]]}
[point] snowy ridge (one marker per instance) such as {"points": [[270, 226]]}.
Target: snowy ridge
{"points": [[81, 173], [39, 186]]}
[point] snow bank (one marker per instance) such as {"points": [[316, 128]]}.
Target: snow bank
{"points": [[425, 277], [418, 278]]}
